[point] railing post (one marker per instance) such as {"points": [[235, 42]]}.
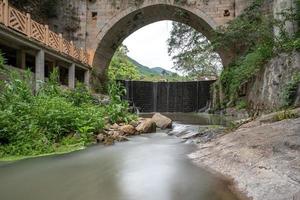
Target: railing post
{"points": [[39, 68], [71, 76], [72, 49], [28, 25], [87, 77], [81, 54], [46, 35], [6, 13], [60, 43]]}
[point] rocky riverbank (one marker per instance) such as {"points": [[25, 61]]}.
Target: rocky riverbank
{"points": [[262, 157], [120, 132]]}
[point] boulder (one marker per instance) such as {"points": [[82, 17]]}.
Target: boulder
{"points": [[115, 134], [162, 121], [127, 129], [146, 126], [100, 137], [114, 126]]}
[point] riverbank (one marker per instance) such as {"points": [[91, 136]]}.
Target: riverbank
{"points": [[262, 157]]}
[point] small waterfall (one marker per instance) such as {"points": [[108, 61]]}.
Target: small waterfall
{"points": [[148, 96]]}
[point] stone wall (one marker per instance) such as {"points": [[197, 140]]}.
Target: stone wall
{"points": [[265, 90]]}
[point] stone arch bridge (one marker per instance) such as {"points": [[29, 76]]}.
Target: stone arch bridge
{"points": [[108, 23], [103, 25]]}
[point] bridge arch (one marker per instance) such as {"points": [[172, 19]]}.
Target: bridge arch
{"points": [[124, 23]]}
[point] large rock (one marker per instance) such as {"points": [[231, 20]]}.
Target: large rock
{"points": [[128, 129], [100, 137], [162, 121], [146, 126]]}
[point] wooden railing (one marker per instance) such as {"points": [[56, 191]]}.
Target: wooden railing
{"points": [[18, 21]]}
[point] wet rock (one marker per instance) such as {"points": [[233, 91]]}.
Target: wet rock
{"points": [[115, 134], [122, 139], [146, 126], [205, 135], [162, 121], [109, 141], [114, 127], [128, 129], [100, 137], [134, 123]]}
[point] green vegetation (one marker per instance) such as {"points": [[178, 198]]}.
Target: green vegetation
{"points": [[290, 90], [123, 67], [250, 37], [241, 104], [53, 119], [192, 53], [286, 114], [253, 44]]}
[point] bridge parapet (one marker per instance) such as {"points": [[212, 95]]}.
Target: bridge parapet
{"points": [[22, 23]]}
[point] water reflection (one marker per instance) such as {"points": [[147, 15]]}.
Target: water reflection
{"points": [[151, 167]]}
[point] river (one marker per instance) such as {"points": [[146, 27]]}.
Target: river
{"points": [[148, 167]]}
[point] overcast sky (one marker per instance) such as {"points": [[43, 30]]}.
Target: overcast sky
{"points": [[148, 45]]}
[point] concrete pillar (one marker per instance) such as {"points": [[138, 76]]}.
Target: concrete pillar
{"points": [[87, 76], [39, 68], [21, 59], [71, 76]]}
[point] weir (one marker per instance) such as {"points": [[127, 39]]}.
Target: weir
{"points": [[168, 96]]}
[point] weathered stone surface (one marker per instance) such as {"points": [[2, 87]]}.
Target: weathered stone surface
{"points": [[297, 196], [146, 126], [263, 161], [162, 121], [265, 92], [297, 101], [115, 127], [100, 137], [128, 129]]}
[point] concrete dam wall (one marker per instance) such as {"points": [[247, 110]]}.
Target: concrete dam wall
{"points": [[168, 96]]}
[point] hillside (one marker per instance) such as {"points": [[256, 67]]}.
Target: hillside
{"points": [[147, 71]]}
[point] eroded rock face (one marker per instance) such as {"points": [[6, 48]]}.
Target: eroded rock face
{"points": [[162, 121], [146, 126], [265, 92], [297, 101], [128, 129]]}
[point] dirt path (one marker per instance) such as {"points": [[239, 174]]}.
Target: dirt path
{"points": [[263, 160]]}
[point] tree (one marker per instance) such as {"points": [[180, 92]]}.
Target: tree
{"points": [[120, 68], [192, 53]]}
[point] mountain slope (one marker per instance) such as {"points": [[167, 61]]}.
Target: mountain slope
{"points": [[147, 71]]}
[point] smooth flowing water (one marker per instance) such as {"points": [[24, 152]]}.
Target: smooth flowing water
{"points": [[148, 167]]}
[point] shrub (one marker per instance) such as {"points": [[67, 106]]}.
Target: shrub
{"points": [[290, 90], [286, 114], [32, 124]]}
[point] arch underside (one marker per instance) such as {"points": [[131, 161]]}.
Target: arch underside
{"points": [[114, 35]]}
